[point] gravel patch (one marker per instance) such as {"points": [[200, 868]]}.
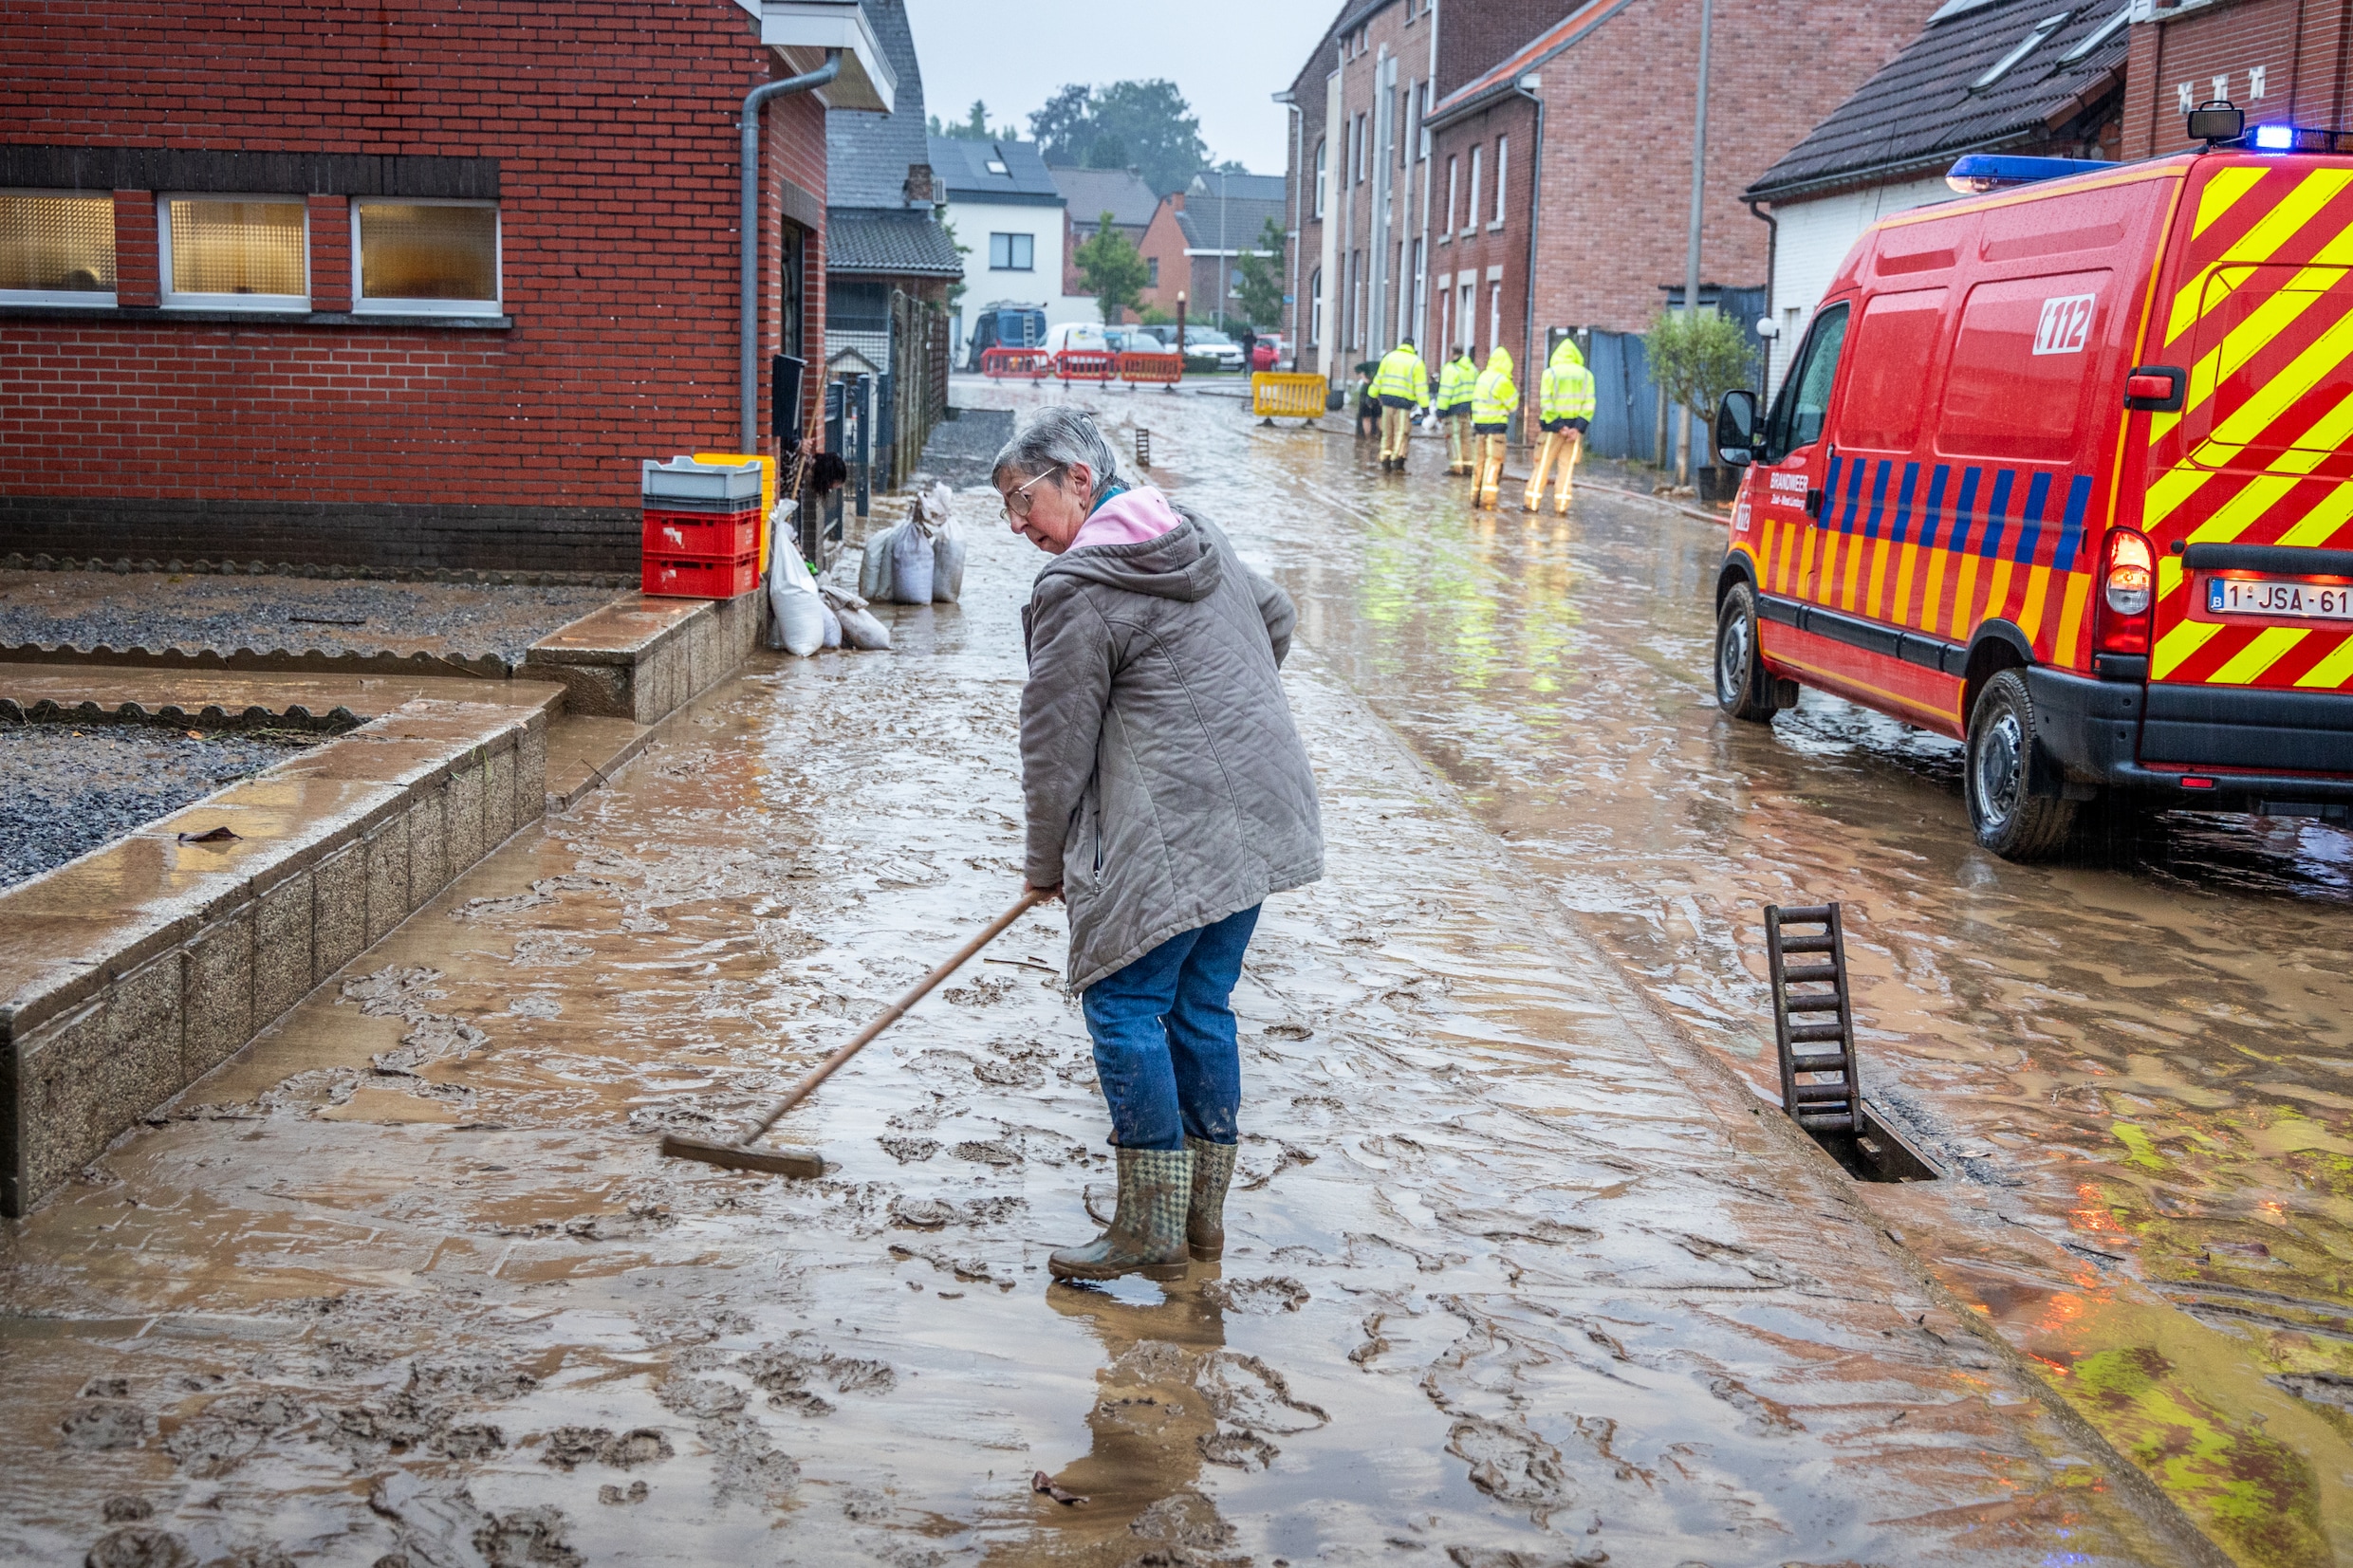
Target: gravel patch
{"points": [[70, 790], [158, 610]]}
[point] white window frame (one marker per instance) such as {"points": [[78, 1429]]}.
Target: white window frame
{"points": [[173, 300], [1315, 308], [1454, 181], [1503, 166], [1323, 152], [362, 305], [1470, 225], [89, 299]]}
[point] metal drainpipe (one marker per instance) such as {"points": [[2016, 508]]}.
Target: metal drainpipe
{"points": [[748, 327], [1772, 255], [1535, 210]]}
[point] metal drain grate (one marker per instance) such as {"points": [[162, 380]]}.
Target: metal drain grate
{"points": [[1813, 1026], [1143, 447]]}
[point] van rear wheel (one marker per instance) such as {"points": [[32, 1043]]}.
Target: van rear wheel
{"points": [[1742, 687], [2010, 820]]}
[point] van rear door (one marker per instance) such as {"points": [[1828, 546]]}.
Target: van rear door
{"points": [[2251, 486]]}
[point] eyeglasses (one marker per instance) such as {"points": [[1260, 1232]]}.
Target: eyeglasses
{"points": [[1019, 510]]}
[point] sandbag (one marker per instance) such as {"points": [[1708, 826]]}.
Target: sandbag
{"points": [[948, 563], [799, 612], [874, 570], [858, 628], [910, 564], [833, 626]]}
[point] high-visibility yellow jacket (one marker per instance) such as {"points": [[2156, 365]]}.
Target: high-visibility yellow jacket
{"points": [[1455, 381], [1402, 375], [1568, 392], [1494, 395]]}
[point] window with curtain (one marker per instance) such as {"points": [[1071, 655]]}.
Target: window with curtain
{"points": [[1012, 252], [1319, 178], [58, 245], [1472, 223], [1503, 158]]}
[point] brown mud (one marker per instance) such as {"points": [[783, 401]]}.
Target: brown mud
{"points": [[1513, 1276]]}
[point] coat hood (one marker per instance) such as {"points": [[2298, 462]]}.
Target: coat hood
{"points": [[1181, 564], [1566, 355], [1499, 362]]}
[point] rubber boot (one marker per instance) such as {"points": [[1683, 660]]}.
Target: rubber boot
{"points": [[1147, 1234], [1205, 1223]]}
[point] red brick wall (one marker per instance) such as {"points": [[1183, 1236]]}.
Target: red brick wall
{"points": [[1487, 247], [2301, 51], [1617, 194], [1164, 242], [614, 128]]}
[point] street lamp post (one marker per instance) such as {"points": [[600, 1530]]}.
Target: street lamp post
{"points": [[1690, 247]]}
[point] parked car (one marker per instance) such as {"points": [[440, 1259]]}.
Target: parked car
{"points": [[2004, 494], [1207, 343], [1083, 336]]}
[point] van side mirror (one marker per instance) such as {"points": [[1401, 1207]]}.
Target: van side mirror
{"points": [[1737, 429]]}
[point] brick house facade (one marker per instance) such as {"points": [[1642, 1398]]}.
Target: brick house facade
{"points": [[2278, 60], [169, 421]]}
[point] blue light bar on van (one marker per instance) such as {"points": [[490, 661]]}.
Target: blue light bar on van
{"points": [[1982, 172], [2275, 138], [2297, 138]]}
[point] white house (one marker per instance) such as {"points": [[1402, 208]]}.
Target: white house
{"points": [[1008, 214], [1983, 76]]}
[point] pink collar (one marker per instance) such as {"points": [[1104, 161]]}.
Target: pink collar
{"points": [[1129, 517]]}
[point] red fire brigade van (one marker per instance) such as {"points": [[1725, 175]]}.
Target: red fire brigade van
{"points": [[2064, 471]]}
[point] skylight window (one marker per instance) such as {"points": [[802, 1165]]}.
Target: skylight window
{"points": [[2026, 45], [2098, 36], [1956, 8], [996, 166]]}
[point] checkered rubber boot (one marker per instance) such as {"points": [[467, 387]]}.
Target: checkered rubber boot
{"points": [[1148, 1235], [1205, 1223]]}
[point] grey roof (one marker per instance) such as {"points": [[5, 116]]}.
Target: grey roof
{"points": [[1121, 193], [1918, 113], [900, 242], [867, 155], [1243, 220], [962, 170], [1235, 187]]}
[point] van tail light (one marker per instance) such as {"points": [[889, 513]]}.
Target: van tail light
{"points": [[2127, 592]]}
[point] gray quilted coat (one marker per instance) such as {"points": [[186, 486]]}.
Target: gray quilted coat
{"points": [[1165, 784]]}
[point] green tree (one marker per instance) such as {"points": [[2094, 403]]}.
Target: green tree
{"points": [[1697, 355], [1261, 292], [955, 289], [1154, 129], [972, 127], [1114, 271]]}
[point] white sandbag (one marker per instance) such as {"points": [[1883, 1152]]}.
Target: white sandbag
{"points": [[874, 570], [833, 625], [911, 564], [800, 615], [858, 628]]}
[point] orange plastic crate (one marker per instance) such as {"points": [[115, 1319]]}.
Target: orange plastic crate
{"points": [[667, 579], [700, 535]]}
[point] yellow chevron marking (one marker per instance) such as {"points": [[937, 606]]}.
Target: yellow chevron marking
{"points": [[2276, 227], [2270, 646], [2175, 648], [2254, 417], [2319, 524], [2031, 613], [2223, 191], [2278, 312], [2175, 486], [1964, 599], [2072, 618], [1899, 608], [2168, 574], [2332, 671]]}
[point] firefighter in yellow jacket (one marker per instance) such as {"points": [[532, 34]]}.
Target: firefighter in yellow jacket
{"points": [[1566, 405], [1454, 383], [1492, 399], [1402, 385]]}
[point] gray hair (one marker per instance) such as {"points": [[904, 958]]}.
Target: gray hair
{"points": [[1057, 438]]}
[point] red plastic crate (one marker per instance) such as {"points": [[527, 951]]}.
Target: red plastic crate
{"points": [[666, 578], [700, 535]]}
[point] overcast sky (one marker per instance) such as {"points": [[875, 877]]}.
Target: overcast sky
{"points": [[1225, 56]]}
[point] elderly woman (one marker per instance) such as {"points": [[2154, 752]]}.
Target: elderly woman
{"points": [[1167, 795]]}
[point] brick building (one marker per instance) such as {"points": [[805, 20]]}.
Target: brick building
{"points": [[1088, 195], [2278, 60], [1584, 131], [414, 286]]}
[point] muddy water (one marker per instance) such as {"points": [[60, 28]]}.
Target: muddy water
{"points": [[2133, 1065], [1513, 1275]]}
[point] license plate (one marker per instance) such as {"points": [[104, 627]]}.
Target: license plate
{"points": [[2244, 595]]}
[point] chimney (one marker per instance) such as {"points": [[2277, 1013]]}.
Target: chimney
{"points": [[920, 189]]}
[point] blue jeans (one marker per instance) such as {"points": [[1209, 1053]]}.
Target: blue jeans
{"points": [[1164, 1045]]}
